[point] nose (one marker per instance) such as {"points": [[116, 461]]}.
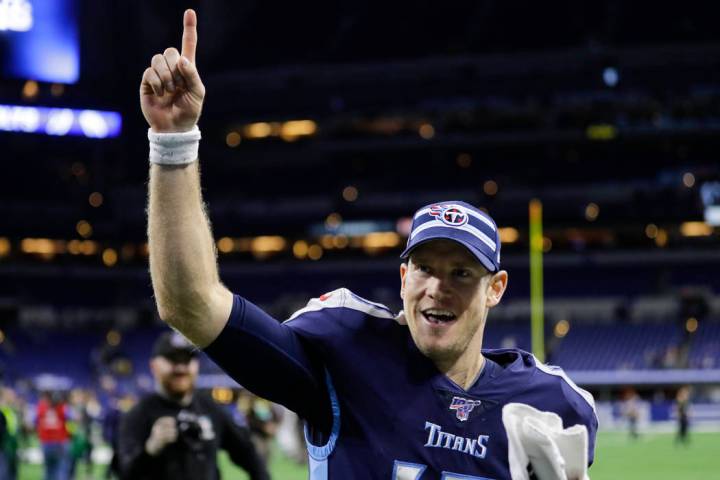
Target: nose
{"points": [[437, 288]]}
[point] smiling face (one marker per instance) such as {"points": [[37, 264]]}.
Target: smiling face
{"points": [[446, 295]]}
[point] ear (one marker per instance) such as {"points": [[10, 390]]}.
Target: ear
{"points": [[154, 366], [496, 288], [194, 365], [403, 274]]}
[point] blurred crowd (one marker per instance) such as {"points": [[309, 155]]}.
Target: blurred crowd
{"points": [[74, 433]]}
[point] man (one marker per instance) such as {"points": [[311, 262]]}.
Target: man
{"points": [[4, 467], [52, 422], [176, 433], [682, 409], [383, 396], [631, 411], [10, 440]]}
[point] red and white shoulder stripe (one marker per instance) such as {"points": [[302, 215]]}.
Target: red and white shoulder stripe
{"points": [[344, 298]]}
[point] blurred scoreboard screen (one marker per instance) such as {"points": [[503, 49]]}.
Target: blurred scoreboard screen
{"points": [[39, 40], [710, 193]]}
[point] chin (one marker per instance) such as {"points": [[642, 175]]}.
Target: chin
{"points": [[437, 351], [176, 390]]}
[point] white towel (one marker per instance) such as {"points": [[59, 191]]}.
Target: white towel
{"points": [[538, 439]]}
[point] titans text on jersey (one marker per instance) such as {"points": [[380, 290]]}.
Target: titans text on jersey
{"points": [[476, 447]]}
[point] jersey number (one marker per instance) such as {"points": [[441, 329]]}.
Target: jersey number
{"points": [[413, 471]]}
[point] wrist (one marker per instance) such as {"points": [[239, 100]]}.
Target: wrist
{"points": [[174, 148]]}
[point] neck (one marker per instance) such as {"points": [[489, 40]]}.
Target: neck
{"points": [[182, 399], [464, 372], [465, 368]]}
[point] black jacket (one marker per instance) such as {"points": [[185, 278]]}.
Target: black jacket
{"points": [[204, 428]]}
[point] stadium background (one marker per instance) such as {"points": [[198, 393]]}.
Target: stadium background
{"points": [[326, 125]]}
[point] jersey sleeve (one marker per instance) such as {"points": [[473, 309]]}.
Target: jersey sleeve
{"points": [[582, 412], [273, 361], [578, 405], [555, 391]]}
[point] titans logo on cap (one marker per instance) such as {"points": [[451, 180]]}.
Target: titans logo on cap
{"points": [[453, 215]]}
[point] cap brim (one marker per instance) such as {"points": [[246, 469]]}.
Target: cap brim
{"points": [[178, 354], [481, 257]]}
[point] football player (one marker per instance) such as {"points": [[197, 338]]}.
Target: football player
{"points": [[404, 396]]}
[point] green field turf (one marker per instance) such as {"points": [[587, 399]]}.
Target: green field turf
{"points": [[656, 457], [651, 457]]}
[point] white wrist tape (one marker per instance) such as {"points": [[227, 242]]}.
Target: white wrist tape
{"points": [[174, 148]]}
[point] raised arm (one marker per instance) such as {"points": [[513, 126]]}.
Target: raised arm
{"points": [[183, 259]]}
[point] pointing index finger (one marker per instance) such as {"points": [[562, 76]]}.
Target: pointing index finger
{"points": [[189, 38]]}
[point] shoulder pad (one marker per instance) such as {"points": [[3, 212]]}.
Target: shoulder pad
{"points": [[559, 372], [344, 298]]}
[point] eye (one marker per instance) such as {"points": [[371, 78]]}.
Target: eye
{"points": [[423, 268], [462, 273]]}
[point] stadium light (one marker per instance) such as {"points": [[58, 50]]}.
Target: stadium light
{"points": [[300, 249], [490, 187], [688, 179], [109, 257], [333, 221], [258, 130], [268, 244], [611, 77], [508, 234], [16, 16], [651, 230], [294, 129], [233, 139], [350, 193], [381, 240], [464, 160], [601, 132], [562, 328], [426, 131], [84, 229], [695, 229], [30, 90], [95, 199], [60, 121], [315, 252], [4, 246], [225, 245], [340, 241], [326, 242], [592, 210]]}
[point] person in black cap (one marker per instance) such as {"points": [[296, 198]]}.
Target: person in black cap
{"points": [[175, 433], [384, 396]]}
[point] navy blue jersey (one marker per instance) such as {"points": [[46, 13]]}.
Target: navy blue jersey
{"points": [[376, 407]]}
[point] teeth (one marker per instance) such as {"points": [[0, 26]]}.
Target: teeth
{"points": [[436, 315]]}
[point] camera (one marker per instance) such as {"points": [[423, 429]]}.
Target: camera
{"points": [[190, 432]]}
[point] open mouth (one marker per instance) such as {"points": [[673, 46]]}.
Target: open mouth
{"points": [[436, 316]]}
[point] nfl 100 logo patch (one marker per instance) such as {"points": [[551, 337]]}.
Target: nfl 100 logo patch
{"points": [[463, 407]]}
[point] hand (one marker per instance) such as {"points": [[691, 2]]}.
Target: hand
{"points": [[171, 92], [164, 432]]}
